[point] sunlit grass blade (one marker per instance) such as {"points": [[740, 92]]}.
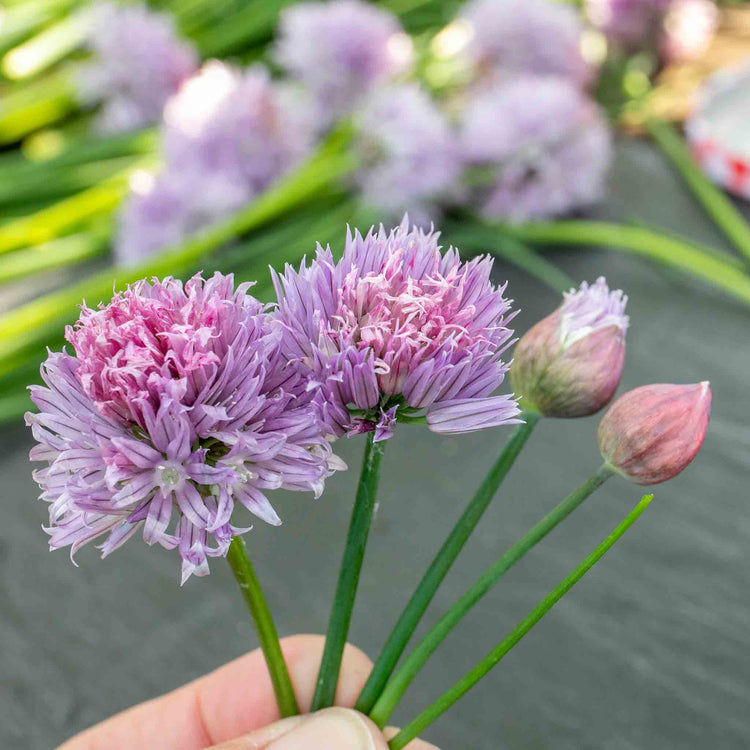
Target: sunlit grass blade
{"points": [[47, 47], [58, 253], [36, 104], [67, 214]]}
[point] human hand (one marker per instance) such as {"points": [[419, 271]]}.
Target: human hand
{"points": [[233, 708]]}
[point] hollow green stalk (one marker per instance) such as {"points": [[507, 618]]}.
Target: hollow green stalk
{"points": [[714, 201], [707, 265], [351, 565], [403, 677], [442, 704], [239, 562], [441, 564]]}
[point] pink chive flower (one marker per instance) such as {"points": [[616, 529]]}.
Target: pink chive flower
{"points": [[650, 434], [570, 363], [176, 407], [340, 51], [398, 329], [138, 63]]}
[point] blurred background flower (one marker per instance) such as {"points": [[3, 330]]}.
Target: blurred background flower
{"points": [[536, 147], [138, 62]]}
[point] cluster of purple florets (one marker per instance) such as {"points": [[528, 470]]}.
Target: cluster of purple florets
{"points": [[181, 402], [514, 137]]}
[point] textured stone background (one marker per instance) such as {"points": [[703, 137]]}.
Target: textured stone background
{"points": [[649, 651]]}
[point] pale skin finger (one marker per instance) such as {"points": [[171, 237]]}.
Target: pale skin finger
{"points": [[230, 702]]}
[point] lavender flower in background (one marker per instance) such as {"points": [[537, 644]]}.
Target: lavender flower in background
{"points": [[499, 39], [227, 136], [632, 24], [163, 209], [237, 123], [340, 51], [177, 406], [408, 153], [570, 363], [138, 63], [536, 146], [396, 328]]}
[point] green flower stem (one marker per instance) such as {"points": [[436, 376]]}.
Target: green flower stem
{"points": [[724, 272], [351, 565], [715, 202], [403, 677], [65, 251], [239, 562], [30, 324], [425, 591], [442, 704]]}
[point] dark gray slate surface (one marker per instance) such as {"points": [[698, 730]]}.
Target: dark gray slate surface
{"points": [[649, 651]]}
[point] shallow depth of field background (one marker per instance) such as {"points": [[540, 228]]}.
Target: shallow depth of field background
{"points": [[649, 652]]}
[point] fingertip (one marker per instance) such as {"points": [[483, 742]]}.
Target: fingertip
{"points": [[331, 728]]}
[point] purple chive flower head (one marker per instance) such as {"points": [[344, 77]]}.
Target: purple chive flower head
{"points": [[650, 434], [408, 153], [227, 136], [138, 63], [176, 407], [340, 51], [632, 24], [505, 38], [396, 329], [570, 363], [539, 147]]}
